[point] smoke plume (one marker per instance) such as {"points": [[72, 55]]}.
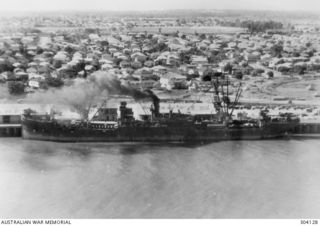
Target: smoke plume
{"points": [[84, 93]]}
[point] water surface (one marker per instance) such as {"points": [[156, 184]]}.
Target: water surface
{"points": [[233, 179]]}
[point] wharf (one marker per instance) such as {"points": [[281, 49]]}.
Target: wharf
{"points": [[10, 117], [307, 129], [10, 130]]}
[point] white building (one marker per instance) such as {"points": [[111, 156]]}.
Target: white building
{"points": [[173, 81]]}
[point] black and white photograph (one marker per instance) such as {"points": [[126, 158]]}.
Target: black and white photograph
{"points": [[171, 109]]}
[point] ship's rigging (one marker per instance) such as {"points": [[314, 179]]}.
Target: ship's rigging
{"points": [[221, 100]]}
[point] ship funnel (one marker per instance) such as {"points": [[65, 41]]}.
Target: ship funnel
{"points": [[156, 103], [123, 108]]}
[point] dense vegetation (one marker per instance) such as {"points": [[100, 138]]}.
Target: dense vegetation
{"points": [[16, 88], [260, 26]]}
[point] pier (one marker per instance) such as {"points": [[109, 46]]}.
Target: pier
{"points": [[10, 130], [307, 130], [10, 121], [10, 117]]}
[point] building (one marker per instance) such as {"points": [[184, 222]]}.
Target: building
{"points": [[142, 84], [173, 81], [159, 70], [199, 60], [252, 57], [10, 117]]}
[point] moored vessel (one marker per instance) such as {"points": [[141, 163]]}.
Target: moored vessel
{"points": [[107, 125]]}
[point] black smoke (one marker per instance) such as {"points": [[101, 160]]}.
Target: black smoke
{"points": [[84, 93]]}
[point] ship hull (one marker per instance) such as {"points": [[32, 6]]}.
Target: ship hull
{"points": [[49, 131]]}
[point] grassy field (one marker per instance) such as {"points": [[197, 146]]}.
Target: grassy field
{"points": [[294, 88]]}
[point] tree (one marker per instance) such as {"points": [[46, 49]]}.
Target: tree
{"points": [[69, 49], [104, 43], [270, 74], [296, 54], [54, 82], [6, 66], [261, 26], [254, 73], [238, 75], [34, 30], [211, 38], [301, 70], [39, 50], [184, 57], [311, 53], [160, 47], [203, 36], [216, 57], [79, 66], [224, 45], [116, 61], [276, 50], [57, 63], [68, 73], [16, 88]]}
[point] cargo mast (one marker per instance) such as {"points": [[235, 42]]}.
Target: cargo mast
{"points": [[221, 101]]}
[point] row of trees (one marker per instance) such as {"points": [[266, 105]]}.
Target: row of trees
{"points": [[260, 26]]}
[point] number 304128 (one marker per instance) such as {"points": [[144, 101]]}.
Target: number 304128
{"points": [[309, 222]]}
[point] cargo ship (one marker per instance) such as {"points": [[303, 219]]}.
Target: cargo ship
{"points": [[109, 126]]}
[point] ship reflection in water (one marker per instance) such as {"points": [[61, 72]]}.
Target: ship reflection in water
{"points": [[231, 179]]}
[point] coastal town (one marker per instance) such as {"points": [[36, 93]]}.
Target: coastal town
{"points": [[176, 55]]}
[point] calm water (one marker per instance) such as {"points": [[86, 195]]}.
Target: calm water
{"points": [[242, 179]]}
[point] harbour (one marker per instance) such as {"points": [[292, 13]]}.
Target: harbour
{"points": [[159, 110]]}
